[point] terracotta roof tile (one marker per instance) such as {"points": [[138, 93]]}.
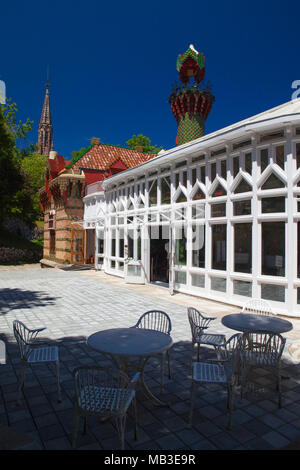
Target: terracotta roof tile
{"points": [[102, 156]]}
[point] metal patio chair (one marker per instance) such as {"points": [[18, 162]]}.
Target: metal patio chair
{"points": [[103, 392], [158, 321], [262, 350], [258, 306], [34, 352], [199, 324], [221, 371]]}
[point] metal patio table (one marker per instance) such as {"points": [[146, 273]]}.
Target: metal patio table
{"points": [[256, 323], [124, 345]]}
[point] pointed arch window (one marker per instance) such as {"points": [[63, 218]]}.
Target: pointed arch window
{"points": [[219, 191], [243, 187], [198, 194], [181, 197], [273, 182]]}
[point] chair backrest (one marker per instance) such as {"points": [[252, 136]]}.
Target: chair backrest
{"points": [[259, 306], [198, 321], [24, 337], [155, 320], [231, 349], [92, 380], [263, 348]]}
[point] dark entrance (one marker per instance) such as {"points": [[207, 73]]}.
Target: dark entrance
{"points": [[159, 259]]}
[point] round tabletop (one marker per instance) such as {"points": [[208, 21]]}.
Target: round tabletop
{"points": [[130, 342], [247, 322]]}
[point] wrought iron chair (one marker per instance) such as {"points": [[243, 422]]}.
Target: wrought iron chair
{"points": [[219, 371], [159, 321], [262, 350], [258, 306], [199, 323], [104, 392], [34, 352]]}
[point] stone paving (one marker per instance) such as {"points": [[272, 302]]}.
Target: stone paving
{"points": [[72, 305]]}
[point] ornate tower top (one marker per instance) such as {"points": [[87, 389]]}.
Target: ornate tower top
{"points": [[190, 103], [45, 131]]}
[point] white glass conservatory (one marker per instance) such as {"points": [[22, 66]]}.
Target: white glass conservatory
{"points": [[217, 217]]}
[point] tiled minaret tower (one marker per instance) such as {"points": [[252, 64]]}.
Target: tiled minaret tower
{"points": [[45, 132], [190, 103]]}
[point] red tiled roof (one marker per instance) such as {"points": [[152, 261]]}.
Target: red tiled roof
{"points": [[102, 156]]}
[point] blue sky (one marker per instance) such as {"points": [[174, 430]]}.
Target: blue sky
{"points": [[112, 64]]}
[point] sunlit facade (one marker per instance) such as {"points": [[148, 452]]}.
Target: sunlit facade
{"points": [[217, 217]]}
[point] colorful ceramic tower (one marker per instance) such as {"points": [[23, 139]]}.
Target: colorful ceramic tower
{"points": [[45, 132], [190, 103]]}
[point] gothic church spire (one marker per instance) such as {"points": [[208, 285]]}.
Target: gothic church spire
{"points": [[45, 131]]}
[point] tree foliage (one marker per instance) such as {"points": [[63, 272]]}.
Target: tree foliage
{"points": [[20, 172], [141, 140]]}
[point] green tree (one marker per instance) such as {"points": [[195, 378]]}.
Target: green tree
{"points": [[141, 140], [12, 132], [75, 153]]}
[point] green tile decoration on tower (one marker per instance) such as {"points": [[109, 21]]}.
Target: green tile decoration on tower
{"points": [[190, 102]]}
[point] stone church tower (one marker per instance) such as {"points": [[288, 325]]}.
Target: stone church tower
{"points": [[45, 131]]}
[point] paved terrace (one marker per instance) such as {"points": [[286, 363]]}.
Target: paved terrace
{"points": [[72, 305]]}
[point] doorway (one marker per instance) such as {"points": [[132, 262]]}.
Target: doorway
{"points": [[159, 254], [90, 246]]}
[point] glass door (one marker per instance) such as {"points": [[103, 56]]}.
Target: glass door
{"points": [[77, 246]]}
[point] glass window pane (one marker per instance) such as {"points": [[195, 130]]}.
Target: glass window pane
{"points": [[273, 248], [194, 176], [236, 166], [298, 155], [218, 210], [153, 193], [219, 246], [181, 197], [298, 248], [198, 280], [202, 174], [223, 169], [219, 191], [130, 240], [213, 171], [198, 246], [165, 191], [242, 288], [243, 248], [264, 159], [198, 211], [113, 243], [273, 182], [273, 292], [198, 195], [100, 243], [180, 277], [121, 243], [180, 247], [248, 163], [280, 156], [273, 204], [242, 207], [243, 187], [218, 283]]}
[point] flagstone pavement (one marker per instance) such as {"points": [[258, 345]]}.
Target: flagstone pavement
{"points": [[74, 304]]}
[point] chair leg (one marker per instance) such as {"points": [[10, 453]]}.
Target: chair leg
{"points": [[22, 380], [162, 372], [135, 419], [75, 428], [229, 404], [121, 423], [58, 381]]}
